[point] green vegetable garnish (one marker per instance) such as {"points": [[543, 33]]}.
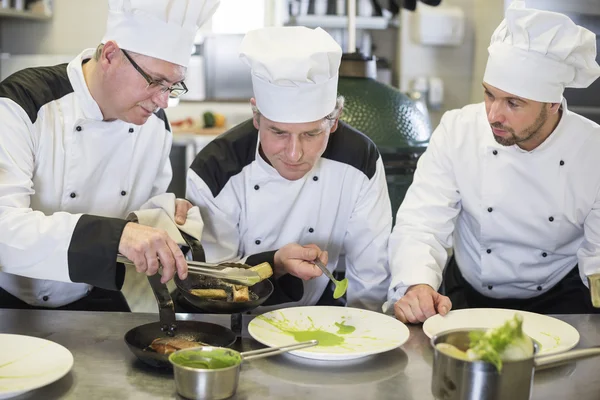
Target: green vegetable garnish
{"points": [[505, 343]]}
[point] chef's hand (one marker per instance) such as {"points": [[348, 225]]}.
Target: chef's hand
{"points": [[298, 260], [419, 303], [145, 245], [182, 206]]}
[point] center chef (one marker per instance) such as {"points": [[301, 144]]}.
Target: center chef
{"points": [[294, 183]]}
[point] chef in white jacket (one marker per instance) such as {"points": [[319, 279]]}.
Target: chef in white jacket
{"points": [[294, 183], [510, 185], [81, 146]]}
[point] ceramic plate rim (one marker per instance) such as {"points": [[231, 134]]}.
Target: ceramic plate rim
{"points": [[41, 382], [561, 349], [403, 336]]}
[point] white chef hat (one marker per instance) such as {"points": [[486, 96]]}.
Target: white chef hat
{"points": [[294, 72], [535, 54], [163, 29]]}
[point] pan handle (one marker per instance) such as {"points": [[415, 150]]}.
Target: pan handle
{"points": [[166, 308], [273, 351], [564, 358]]}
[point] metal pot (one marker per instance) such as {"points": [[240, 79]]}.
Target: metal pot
{"points": [[455, 379], [221, 383]]}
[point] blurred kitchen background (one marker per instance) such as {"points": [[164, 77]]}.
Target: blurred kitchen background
{"points": [[432, 51]]}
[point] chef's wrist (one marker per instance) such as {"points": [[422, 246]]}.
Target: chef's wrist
{"points": [[278, 265]]}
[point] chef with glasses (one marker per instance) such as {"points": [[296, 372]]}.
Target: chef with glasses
{"points": [[81, 146]]}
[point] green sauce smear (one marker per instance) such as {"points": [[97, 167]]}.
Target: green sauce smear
{"points": [[214, 359], [344, 329], [326, 339]]}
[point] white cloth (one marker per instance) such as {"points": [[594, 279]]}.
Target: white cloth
{"points": [[535, 54], [335, 206], [537, 212], [159, 212], [163, 29], [111, 169], [294, 72]]}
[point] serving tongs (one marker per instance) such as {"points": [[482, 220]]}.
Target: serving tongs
{"points": [[229, 272]]}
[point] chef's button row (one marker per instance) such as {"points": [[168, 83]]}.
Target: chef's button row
{"points": [[543, 254], [561, 162], [79, 128], [74, 195], [539, 288], [258, 241], [550, 218], [315, 178]]}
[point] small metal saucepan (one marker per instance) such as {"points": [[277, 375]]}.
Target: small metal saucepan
{"points": [[456, 379], [212, 373], [140, 338]]}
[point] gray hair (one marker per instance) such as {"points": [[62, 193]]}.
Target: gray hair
{"points": [[331, 117]]}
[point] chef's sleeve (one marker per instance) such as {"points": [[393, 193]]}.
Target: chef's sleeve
{"points": [[420, 241], [366, 241], [588, 254], [61, 246]]}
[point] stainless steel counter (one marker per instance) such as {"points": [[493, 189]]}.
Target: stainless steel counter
{"points": [[105, 369]]}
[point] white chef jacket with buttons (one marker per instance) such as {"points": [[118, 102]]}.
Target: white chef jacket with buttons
{"points": [[517, 221], [341, 205], [67, 180]]}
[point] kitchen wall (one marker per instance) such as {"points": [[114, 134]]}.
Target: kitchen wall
{"points": [[460, 67], [80, 24], [75, 25]]}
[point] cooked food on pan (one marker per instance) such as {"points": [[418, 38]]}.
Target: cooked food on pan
{"points": [[171, 345], [217, 289], [263, 270], [220, 294]]}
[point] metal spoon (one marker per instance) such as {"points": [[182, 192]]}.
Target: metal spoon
{"points": [[340, 286]]}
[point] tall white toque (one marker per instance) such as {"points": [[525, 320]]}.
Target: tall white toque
{"points": [[163, 29], [294, 72], [536, 54]]}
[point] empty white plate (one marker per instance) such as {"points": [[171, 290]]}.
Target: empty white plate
{"points": [[344, 333], [28, 363], [554, 335]]}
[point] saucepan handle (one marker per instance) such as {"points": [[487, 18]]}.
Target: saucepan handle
{"points": [[273, 351], [564, 358]]}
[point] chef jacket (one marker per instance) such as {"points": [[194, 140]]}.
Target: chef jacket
{"points": [[67, 178], [518, 221], [341, 205]]}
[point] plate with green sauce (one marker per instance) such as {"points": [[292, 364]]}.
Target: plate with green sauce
{"points": [[551, 335], [28, 363], [343, 333]]}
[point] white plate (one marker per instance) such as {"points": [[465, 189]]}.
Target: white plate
{"points": [[554, 335], [373, 332], [27, 363]]}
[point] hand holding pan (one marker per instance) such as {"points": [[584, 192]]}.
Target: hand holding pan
{"points": [[139, 339]]}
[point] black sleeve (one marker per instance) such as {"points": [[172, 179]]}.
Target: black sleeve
{"points": [[92, 254], [286, 288]]}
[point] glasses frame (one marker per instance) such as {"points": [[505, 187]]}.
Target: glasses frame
{"points": [[174, 92]]}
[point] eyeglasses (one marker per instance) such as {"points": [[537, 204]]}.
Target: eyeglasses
{"points": [[174, 91]]}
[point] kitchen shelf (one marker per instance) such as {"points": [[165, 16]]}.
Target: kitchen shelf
{"points": [[338, 21], [12, 13]]}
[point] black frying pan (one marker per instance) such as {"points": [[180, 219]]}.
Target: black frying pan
{"points": [[139, 338], [259, 293]]}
